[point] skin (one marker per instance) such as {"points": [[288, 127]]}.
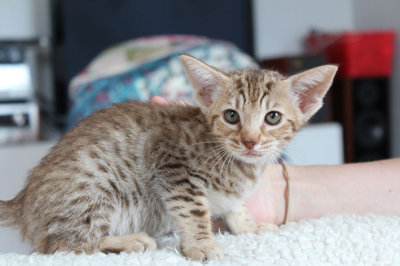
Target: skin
{"points": [[321, 190]]}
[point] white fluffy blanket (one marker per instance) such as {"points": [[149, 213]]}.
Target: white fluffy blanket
{"points": [[335, 240]]}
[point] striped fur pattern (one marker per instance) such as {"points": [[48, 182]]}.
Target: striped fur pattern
{"points": [[136, 171]]}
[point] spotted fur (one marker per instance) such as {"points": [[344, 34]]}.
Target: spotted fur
{"points": [[136, 171]]}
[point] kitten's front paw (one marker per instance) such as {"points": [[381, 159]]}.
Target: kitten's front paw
{"points": [[266, 227], [202, 250], [138, 242], [128, 243]]}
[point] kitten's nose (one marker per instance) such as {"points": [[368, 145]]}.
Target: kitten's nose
{"points": [[249, 144]]}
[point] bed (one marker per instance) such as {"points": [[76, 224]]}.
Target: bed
{"points": [[335, 240]]}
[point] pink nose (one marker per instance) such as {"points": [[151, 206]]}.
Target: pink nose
{"points": [[249, 144]]}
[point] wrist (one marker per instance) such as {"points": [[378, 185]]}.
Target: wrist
{"points": [[267, 204], [307, 193]]}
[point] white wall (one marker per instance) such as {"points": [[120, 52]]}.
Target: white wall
{"points": [[372, 14], [24, 19], [280, 25]]}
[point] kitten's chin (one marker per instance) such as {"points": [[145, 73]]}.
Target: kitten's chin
{"points": [[252, 158]]}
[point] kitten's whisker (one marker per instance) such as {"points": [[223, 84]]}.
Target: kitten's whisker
{"points": [[229, 164], [214, 147], [275, 155], [279, 157], [216, 163], [211, 155], [216, 160], [213, 152], [219, 159], [222, 158], [222, 167], [205, 153]]}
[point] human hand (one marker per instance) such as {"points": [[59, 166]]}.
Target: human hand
{"points": [[162, 101]]}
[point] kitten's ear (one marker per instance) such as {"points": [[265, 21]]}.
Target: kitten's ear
{"points": [[206, 80], [310, 87]]}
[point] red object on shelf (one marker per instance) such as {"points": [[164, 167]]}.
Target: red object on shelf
{"points": [[359, 54]]}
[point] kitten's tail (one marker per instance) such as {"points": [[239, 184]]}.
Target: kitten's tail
{"points": [[9, 211]]}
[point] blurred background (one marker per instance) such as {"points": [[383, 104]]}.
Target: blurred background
{"points": [[46, 44], [56, 66]]}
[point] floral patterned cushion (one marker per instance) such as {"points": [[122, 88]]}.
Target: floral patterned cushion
{"points": [[145, 67]]}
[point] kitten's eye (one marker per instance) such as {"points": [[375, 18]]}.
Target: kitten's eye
{"points": [[231, 116], [273, 118]]}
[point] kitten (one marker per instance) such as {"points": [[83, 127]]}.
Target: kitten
{"points": [[133, 172]]}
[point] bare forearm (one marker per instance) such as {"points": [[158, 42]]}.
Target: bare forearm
{"points": [[353, 188], [317, 191]]}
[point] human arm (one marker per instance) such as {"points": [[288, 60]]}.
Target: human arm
{"points": [[316, 191]]}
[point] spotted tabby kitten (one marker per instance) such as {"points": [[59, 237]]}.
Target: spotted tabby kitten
{"points": [[133, 172]]}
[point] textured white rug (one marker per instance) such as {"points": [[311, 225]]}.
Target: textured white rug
{"points": [[335, 240]]}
